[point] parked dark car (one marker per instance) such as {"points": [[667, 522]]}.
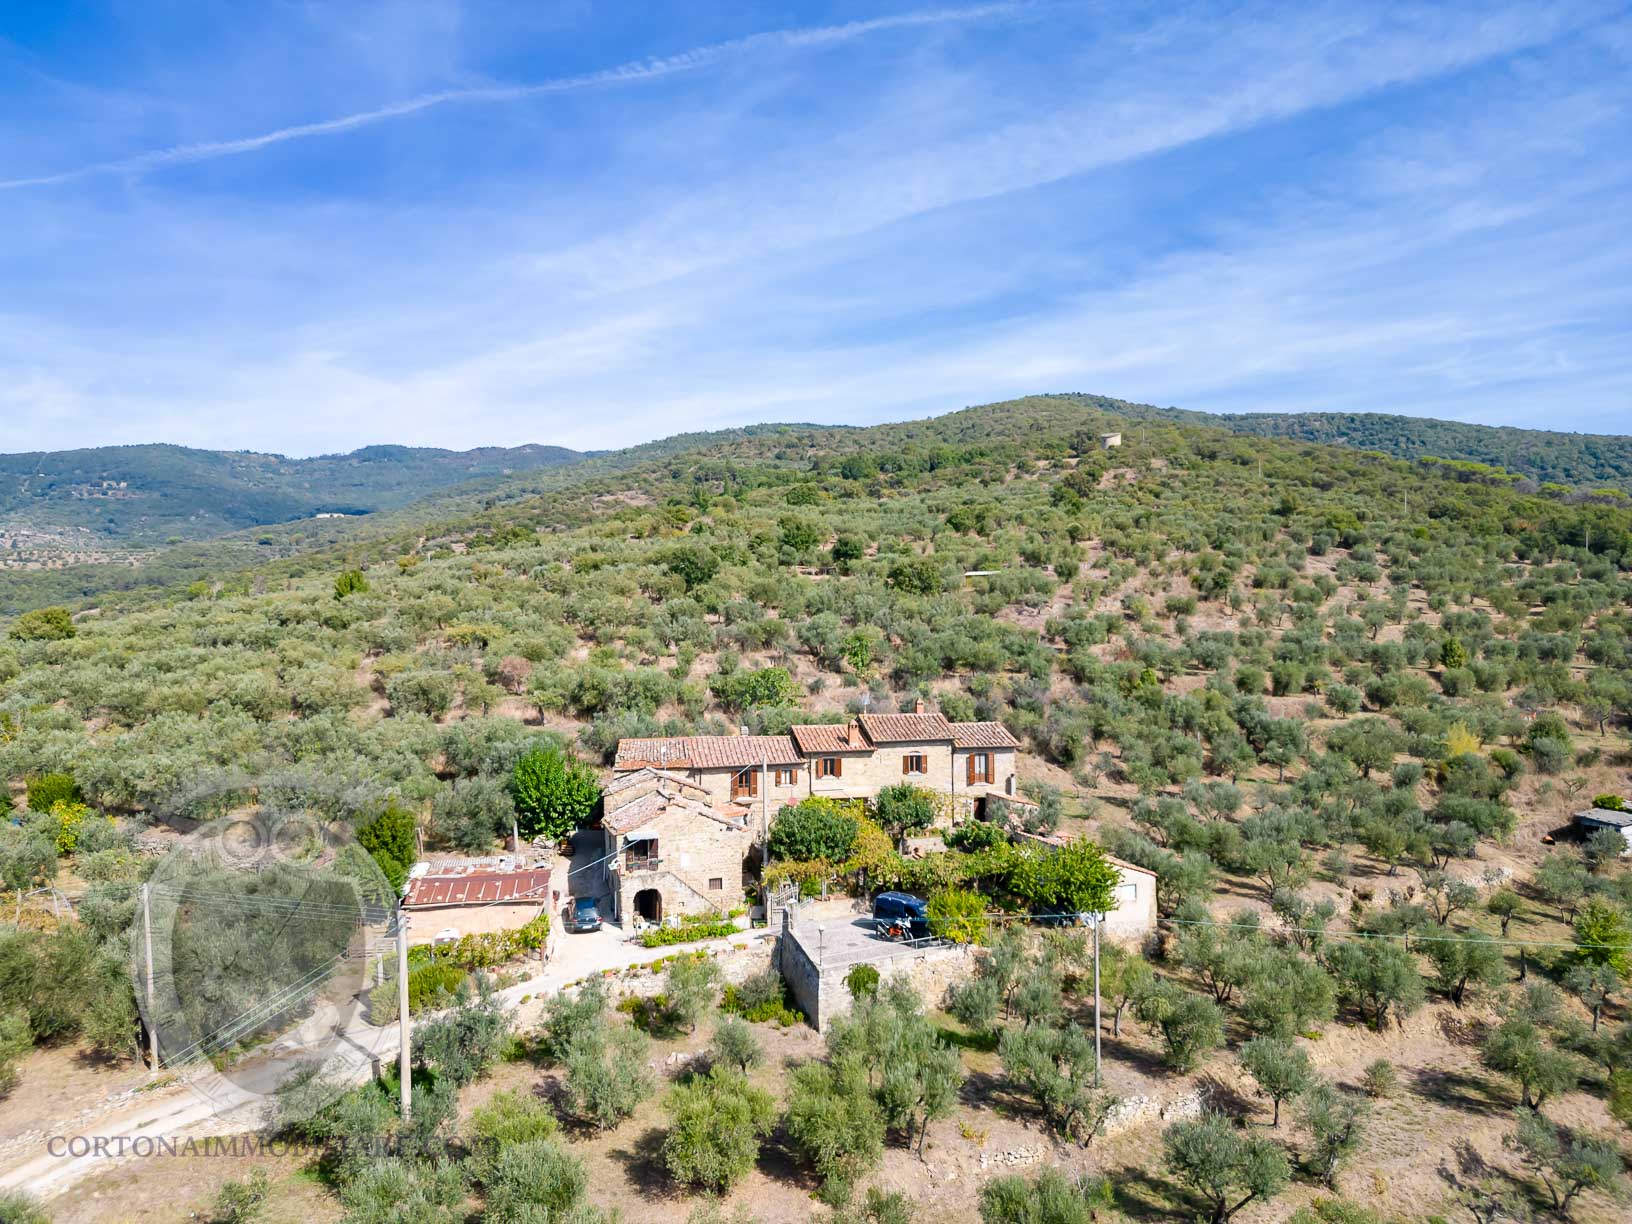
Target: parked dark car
{"points": [[899, 915], [584, 916]]}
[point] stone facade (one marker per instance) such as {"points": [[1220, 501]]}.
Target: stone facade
{"points": [[762, 773], [671, 853]]}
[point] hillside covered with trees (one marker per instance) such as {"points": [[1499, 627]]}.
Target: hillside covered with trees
{"points": [[1585, 461], [144, 496], [1334, 699]]}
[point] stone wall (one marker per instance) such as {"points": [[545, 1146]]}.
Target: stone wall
{"points": [[753, 953], [694, 850], [821, 991]]}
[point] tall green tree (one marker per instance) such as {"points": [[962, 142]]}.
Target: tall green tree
{"points": [[554, 793]]}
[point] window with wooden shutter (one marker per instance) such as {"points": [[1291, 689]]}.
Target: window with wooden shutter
{"points": [[744, 784], [969, 762], [829, 767], [914, 763]]}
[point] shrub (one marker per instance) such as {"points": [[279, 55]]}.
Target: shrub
{"points": [[535, 1180], [349, 582], [862, 982], [835, 1123], [1049, 1198], [511, 1117], [814, 828], [15, 1041], [1379, 1078], [393, 1190], [958, 914], [463, 1044], [917, 576], [43, 625], [238, 1202], [734, 1044], [430, 986], [688, 932], [606, 1074], [975, 835], [566, 1016], [716, 1124], [19, 1208], [47, 790], [1610, 803], [690, 985]]}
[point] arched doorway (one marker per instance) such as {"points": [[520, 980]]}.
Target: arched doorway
{"points": [[649, 905]]}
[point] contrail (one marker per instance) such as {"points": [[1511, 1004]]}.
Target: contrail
{"points": [[634, 70]]}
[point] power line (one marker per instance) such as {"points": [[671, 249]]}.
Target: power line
{"points": [[1406, 936], [1326, 932]]}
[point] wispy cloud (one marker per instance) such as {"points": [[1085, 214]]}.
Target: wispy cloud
{"points": [[622, 74], [1392, 208]]}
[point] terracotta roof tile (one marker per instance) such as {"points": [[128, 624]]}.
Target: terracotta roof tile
{"points": [[817, 738], [706, 752], [982, 735], [647, 808], [906, 728]]}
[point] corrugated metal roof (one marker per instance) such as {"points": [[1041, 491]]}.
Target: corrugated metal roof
{"points": [[982, 735], [478, 888], [706, 752], [906, 728], [1608, 817]]}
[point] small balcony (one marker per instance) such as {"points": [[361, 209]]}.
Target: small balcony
{"points": [[634, 865]]}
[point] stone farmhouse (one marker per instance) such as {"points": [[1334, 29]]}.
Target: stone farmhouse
{"points": [[669, 848], [681, 814], [969, 761]]}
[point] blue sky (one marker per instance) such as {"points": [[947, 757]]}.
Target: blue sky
{"points": [[305, 227]]}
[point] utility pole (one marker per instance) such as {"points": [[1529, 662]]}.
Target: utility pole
{"points": [[147, 949], [764, 815], [1097, 921], [404, 1054]]}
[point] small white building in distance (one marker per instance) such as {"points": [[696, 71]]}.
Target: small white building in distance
{"points": [[1110, 440], [1606, 818]]}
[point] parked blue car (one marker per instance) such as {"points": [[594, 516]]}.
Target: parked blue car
{"points": [[899, 915], [585, 917]]}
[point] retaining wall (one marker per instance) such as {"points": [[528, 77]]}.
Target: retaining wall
{"points": [[822, 994]]}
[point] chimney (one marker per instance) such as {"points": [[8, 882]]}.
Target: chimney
{"points": [[918, 706], [855, 734]]}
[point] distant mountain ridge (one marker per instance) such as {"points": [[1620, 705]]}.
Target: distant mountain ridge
{"points": [[148, 495], [1582, 460]]}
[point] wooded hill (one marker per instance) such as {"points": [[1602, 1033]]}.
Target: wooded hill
{"points": [[1585, 461], [150, 495], [1333, 699]]}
